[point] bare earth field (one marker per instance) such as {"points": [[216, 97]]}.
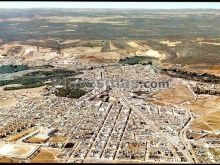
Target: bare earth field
{"points": [[46, 156], [208, 111], [8, 160], [176, 95]]}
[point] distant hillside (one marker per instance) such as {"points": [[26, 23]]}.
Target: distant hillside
{"points": [[105, 24]]}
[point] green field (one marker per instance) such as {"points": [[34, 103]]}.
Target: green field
{"points": [[36, 79], [12, 68]]}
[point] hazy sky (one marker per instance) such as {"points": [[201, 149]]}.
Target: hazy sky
{"points": [[147, 5]]}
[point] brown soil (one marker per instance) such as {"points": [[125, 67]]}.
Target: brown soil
{"points": [[46, 156], [176, 95]]}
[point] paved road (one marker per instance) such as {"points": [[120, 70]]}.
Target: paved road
{"points": [[144, 117], [184, 138]]}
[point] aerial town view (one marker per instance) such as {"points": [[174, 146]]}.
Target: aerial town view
{"points": [[80, 84]]}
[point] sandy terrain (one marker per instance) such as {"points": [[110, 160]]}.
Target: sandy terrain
{"points": [[176, 95], [210, 122], [170, 43], [40, 56], [6, 47], [133, 44], [9, 99], [46, 156], [8, 160], [30, 93], [7, 102], [205, 105], [101, 57], [154, 53], [211, 43], [208, 110]]}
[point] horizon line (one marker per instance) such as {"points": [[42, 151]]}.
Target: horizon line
{"points": [[107, 5], [114, 8]]}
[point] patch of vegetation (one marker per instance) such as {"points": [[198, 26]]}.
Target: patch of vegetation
{"points": [[136, 60], [178, 73], [36, 79], [70, 93], [12, 68], [42, 67], [194, 53]]}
